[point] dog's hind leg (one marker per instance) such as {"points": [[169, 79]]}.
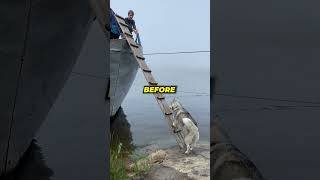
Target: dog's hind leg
{"points": [[188, 141], [193, 144], [188, 149], [195, 139]]}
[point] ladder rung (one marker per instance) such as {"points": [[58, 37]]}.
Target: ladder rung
{"points": [[164, 108], [167, 110], [144, 67], [119, 20], [146, 70], [120, 17], [150, 79], [137, 52], [159, 95], [124, 24], [153, 83], [128, 34], [168, 113], [134, 45], [140, 57]]}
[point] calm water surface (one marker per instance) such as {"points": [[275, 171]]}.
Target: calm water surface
{"points": [[191, 73]]}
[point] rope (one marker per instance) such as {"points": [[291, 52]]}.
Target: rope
{"points": [[178, 52], [268, 99]]}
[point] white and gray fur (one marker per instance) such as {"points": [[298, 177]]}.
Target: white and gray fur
{"points": [[184, 123]]}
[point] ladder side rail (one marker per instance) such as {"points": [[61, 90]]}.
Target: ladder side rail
{"points": [[137, 52]]}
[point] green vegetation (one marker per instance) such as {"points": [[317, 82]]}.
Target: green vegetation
{"points": [[140, 165], [125, 163], [117, 164]]}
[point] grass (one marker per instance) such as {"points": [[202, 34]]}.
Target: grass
{"points": [[140, 165], [117, 164], [121, 157]]}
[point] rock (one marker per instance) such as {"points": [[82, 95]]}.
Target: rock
{"points": [[140, 163], [160, 172], [177, 165], [158, 156]]}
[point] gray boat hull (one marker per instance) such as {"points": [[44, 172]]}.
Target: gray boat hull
{"points": [[39, 45], [123, 70]]}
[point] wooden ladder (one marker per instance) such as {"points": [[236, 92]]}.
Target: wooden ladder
{"points": [[137, 52]]}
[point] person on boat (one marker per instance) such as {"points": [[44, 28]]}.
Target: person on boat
{"points": [[132, 26], [114, 26], [131, 23]]}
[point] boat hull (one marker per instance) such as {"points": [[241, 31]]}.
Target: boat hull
{"points": [[39, 46], [123, 70]]}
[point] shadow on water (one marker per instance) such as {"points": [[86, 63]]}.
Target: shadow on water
{"points": [[120, 131], [32, 166]]}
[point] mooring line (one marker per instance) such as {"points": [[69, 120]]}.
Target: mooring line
{"points": [[267, 99]]}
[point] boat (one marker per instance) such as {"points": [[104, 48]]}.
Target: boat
{"points": [[123, 70], [40, 44]]}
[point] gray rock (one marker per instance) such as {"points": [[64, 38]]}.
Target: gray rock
{"points": [[178, 165], [160, 172]]}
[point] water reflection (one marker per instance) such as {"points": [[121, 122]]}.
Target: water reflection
{"points": [[32, 166], [120, 131]]}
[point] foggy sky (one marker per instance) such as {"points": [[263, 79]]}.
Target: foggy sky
{"points": [[170, 26]]}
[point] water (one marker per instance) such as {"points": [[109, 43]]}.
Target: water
{"points": [[191, 73]]}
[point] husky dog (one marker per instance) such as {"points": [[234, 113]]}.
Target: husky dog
{"points": [[184, 123]]}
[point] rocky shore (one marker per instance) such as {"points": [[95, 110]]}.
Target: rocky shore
{"points": [[172, 163]]}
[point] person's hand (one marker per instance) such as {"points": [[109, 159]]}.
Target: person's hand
{"points": [[136, 31]]}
